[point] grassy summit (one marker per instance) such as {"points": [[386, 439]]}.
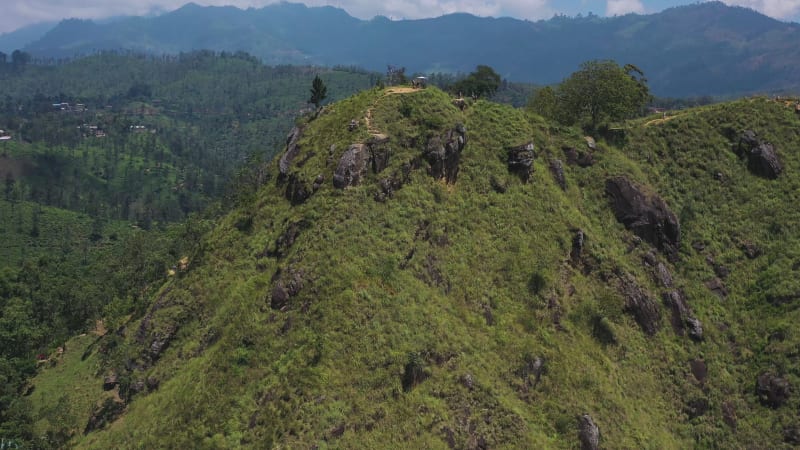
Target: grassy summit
{"points": [[427, 308]]}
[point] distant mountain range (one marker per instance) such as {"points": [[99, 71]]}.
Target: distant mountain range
{"points": [[701, 49]]}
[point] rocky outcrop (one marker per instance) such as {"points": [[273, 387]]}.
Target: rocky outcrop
{"points": [[352, 166], [717, 287], [104, 414], [729, 414], [379, 152], [646, 215], [683, 320], [285, 241], [697, 407], [588, 433], [287, 285], [772, 390], [640, 305], [699, 370], [520, 160], [577, 157], [297, 190], [110, 381], [292, 150], [762, 160], [557, 169], [578, 244], [355, 163], [443, 153]]}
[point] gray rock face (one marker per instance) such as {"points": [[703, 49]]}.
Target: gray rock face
{"points": [[683, 320], [641, 306], [579, 158], [292, 150], [352, 166], [772, 390], [297, 191], [359, 158], [443, 153], [379, 152], [646, 215], [717, 287], [520, 160], [588, 433], [699, 370], [110, 381], [287, 285], [557, 169], [762, 160]]}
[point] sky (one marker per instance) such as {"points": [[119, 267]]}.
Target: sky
{"points": [[15, 14]]}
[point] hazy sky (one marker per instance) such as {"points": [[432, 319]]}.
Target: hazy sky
{"points": [[18, 13]]}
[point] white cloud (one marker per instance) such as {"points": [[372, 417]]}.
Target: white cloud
{"points": [[779, 9], [622, 7]]}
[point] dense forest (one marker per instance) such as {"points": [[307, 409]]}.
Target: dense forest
{"points": [[112, 166]]}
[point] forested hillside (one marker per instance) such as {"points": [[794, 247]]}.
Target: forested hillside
{"points": [[707, 48], [111, 167], [415, 272]]}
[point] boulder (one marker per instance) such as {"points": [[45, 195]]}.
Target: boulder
{"points": [[791, 434], [557, 169], [646, 215], [717, 287], [772, 390], [578, 244], [579, 158], [443, 153], [287, 285], [388, 186], [297, 191], [697, 407], [292, 150], [641, 306], [352, 166], [379, 152], [762, 160], [683, 320], [588, 433], [520, 160], [729, 414], [110, 381], [285, 241], [699, 370]]}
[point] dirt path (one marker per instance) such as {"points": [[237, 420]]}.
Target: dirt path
{"points": [[660, 121]]}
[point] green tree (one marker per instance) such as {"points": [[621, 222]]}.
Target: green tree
{"points": [[20, 58], [602, 91], [318, 91], [544, 102], [483, 82]]}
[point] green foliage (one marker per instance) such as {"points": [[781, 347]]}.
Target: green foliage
{"points": [[483, 82], [601, 91], [319, 91], [419, 320]]}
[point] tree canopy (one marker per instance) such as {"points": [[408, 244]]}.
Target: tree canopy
{"points": [[483, 82], [600, 91], [318, 91]]}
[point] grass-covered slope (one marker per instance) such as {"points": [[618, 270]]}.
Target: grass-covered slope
{"points": [[412, 312]]}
